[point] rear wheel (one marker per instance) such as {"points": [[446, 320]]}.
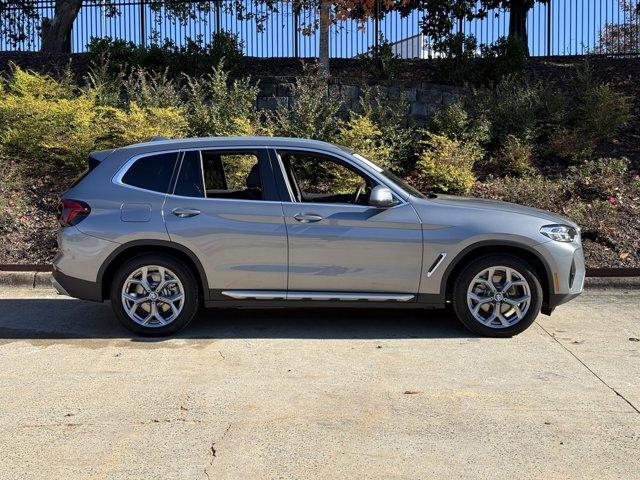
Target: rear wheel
{"points": [[497, 296], [154, 295]]}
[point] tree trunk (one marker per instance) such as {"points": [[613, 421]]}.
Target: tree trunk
{"points": [[56, 32], [518, 22], [325, 23]]}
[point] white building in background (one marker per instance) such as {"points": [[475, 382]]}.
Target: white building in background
{"points": [[415, 46]]}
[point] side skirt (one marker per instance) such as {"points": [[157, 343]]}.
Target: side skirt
{"points": [[295, 299]]}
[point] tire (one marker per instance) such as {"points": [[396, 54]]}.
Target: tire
{"points": [[158, 315], [490, 311]]}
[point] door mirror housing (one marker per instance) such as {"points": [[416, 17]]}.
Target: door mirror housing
{"points": [[381, 197]]}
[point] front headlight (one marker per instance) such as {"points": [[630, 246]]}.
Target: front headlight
{"points": [[559, 233]]}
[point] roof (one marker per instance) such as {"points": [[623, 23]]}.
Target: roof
{"points": [[231, 142]]}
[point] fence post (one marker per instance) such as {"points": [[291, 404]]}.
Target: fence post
{"points": [[376, 26], [143, 24], [296, 26], [218, 16], [549, 28]]}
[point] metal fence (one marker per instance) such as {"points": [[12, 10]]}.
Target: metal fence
{"points": [[559, 27]]}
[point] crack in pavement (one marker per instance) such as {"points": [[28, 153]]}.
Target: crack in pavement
{"points": [[87, 424], [212, 450], [589, 369]]}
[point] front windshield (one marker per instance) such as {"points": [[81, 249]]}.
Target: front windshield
{"points": [[402, 184], [390, 176]]}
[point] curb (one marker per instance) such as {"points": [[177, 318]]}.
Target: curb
{"points": [[25, 279], [42, 280]]}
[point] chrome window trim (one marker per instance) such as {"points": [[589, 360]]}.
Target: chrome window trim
{"points": [[345, 159], [121, 172]]}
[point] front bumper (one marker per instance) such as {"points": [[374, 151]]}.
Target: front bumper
{"points": [[565, 262]]}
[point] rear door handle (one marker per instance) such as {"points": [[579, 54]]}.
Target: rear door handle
{"points": [[307, 217], [185, 212]]}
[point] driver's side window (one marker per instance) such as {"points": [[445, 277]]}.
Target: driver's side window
{"points": [[316, 178]]}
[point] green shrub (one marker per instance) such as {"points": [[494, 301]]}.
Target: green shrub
{"points": [[569, 145], [512, 107], [601, 112], [600, 179], [194, 58], [535, 191], [596, 217], [363, 136], [31, 84], [462, 61], [514, 157], [381, 131], [214, 106], [446, 165], [151, 89], [136, 124], [47, 130], [380, 61], [455, 122], [46, 134], [313, 112], [593, 113]]}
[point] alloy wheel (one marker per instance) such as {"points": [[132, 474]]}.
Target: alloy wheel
{"points": [[498, 297], [153, 296]]}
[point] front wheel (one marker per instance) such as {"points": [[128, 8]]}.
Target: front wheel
{"points": [[497, 296], [154, 295]]}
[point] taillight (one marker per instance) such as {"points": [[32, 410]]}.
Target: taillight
{"points": [[72, 212]]}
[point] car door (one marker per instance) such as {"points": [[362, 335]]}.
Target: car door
{"points": [[225, 209], [339, 243]]}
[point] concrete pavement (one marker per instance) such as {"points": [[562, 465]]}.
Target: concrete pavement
{"points": [[324, 394]]}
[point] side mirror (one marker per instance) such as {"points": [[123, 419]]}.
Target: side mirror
{"points": [[381, 197]]}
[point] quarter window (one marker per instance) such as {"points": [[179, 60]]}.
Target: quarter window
{"points": [[153, 172]]}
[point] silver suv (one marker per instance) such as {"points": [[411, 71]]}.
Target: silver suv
{"points": [[163, 227]]}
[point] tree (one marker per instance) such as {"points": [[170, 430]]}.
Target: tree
{"points": [[440, 16], [325, 25], [56, 32], [17, 16], [624, 37]]}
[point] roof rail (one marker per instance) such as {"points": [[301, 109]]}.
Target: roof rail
{"points": [[158, 138]]}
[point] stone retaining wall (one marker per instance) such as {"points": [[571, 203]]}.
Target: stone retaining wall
{"points": [[276, 77]]}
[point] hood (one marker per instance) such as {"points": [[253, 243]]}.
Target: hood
{"points": [[498, 206]]}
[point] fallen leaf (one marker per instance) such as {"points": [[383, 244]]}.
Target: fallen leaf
{"points": [[624, 255]]}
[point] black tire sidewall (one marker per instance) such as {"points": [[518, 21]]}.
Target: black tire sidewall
{"points": [[189, 284], [469, 272]]}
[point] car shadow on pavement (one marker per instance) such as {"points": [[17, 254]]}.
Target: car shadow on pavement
{"points": [[75, 319]]}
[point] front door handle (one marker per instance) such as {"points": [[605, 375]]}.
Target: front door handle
{"points": [[185, 212], [307, 217]]}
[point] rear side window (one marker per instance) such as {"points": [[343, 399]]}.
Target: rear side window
{"points": [[232, 175], [152, 173]]}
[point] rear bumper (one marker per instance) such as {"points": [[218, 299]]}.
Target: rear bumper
{"points": [[75, 287]]}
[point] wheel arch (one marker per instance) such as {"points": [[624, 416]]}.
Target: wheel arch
{"points": [[130, 249], [524, 252]]}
